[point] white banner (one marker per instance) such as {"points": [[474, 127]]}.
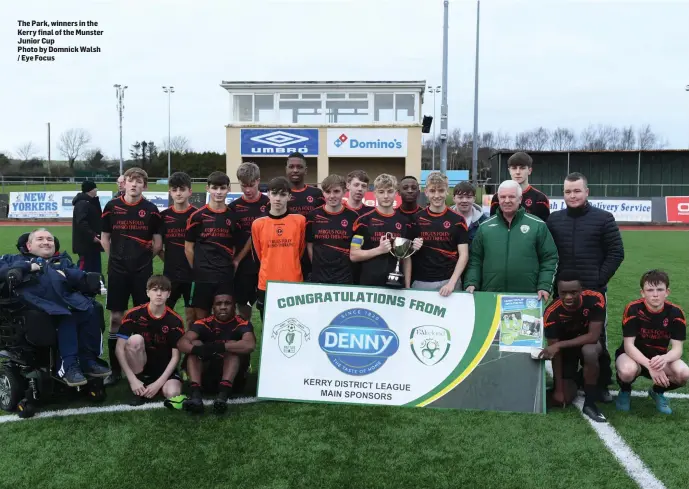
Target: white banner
{"points": [[367, 142], [47, 205]]}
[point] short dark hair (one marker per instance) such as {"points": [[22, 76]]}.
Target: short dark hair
{"points": [[334, 181], [464, 188], [410, 177], [569, 276], [360, 174], [575, 176], [655, 277], [224, 289], [218, 179], [179, 179], [279, 184], [520, 159], [297, 154], [159, 282]]}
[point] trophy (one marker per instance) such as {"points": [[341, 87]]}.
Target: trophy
{"points": [[401, 249]]}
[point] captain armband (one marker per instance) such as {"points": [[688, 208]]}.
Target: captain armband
{"points": [[357, 241]]}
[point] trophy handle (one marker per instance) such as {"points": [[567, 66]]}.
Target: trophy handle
{"points": [[389, 236]]}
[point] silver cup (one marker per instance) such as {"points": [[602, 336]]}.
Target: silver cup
{"points": [[401, 248]]}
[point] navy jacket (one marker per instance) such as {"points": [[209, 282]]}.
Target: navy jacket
{"points": [[47, 289]]}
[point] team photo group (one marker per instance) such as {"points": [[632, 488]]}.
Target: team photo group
{"points": [[219, 258]]}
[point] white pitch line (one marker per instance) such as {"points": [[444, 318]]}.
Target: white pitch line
{"points": [[115, 408], [632, 464]]}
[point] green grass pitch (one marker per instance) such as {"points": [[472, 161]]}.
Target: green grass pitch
{"points": [[285, 445]]}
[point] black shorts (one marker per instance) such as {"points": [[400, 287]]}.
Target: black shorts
{"points": [[154, 369], [203, 293], [211, 372], [245, 285], [644, 371], [179, 289], [571, 357], [123, 285]]}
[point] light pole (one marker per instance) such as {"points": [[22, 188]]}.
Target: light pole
{"points": [[686, 88], [119, 93], [433, 91], [474, 149], [169, 90], [443, 100]]}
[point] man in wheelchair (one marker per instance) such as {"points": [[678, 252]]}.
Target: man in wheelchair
{"points": [[50, 282]]}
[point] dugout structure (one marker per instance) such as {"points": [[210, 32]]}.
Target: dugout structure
{"points": [[610, 173]]}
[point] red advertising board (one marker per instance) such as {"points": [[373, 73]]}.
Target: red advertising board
{"points": [[370, 199], [677, 209]]}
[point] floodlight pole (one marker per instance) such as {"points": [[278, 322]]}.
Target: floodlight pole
{"points": [[168, 90], [443, 103], [474, 155], [120, 108]]}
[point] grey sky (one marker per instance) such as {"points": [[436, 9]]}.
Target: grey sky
{"points": [[542, 63]]}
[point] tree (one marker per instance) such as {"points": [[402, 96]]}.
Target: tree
{"points": [[94, 159], [72, 143], [178, 144], [563, 139], [647, 139], [26, 151]]}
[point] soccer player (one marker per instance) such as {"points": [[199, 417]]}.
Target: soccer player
{"points": [[649, 326], [247, 208], [209, 245], [439, 264], [533, 200], [409, 192], [174, 228], [573, 325], [370, 244], [465, 205], [131, 238], [278, 241], [147, 344], [304, 198], [357, 185], [329, 231], [215, 349]]}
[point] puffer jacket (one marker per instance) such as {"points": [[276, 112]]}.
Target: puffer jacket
{"points": [[589, 242], [477, 217]]}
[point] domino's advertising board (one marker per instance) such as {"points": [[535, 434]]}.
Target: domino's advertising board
{"points": [[280, 142], [367, 142]]}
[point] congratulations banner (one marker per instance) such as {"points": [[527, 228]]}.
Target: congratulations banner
{"points": [[366, 345]]}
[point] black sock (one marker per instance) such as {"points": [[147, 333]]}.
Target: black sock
{"points": [[195, 390], [591, 393], [224, 389], [114, 363], [624, 386], [658, 389]]}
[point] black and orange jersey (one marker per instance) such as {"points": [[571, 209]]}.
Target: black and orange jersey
{"points": [[174, 229], [331, 236], [653, 330], [246, 212], [533, 200], [441, 233], [213, 233], [412, 212], [368, 231], [131, 228], [561, 323], [160, 334], [305, 200], [212, 330], [278, 245], [362, 209]]}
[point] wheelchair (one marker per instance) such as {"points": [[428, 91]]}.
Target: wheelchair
{"points": [[28, 347]]}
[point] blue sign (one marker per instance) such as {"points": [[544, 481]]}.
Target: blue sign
{"points": [[280, 142], [358, 342], [453, 176]]}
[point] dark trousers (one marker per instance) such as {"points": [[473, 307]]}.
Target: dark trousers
{"points": [[78, 338], [91, 262]]}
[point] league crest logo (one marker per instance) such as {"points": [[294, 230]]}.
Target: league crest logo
{"points": [[531, 303], [291, 335], [528, 202], [430, 344], [524, 228], [344, 223], [142, 213]]}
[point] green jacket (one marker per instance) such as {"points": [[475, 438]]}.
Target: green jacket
{"points": [[520, 258]]}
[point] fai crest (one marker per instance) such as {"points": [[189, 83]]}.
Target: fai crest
{"points": [[429, 344], [524, 228], [291, 335]]}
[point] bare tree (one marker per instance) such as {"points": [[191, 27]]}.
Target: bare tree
{"points": [[178, 144], [502, 140], [647, 139], [523, 141], [563, 139], [72, 143], [600, 138], [540, 138], [27, 151], [627, 138]]}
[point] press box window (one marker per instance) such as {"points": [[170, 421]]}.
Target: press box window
{"points": [[242, 108], [264, 108]]}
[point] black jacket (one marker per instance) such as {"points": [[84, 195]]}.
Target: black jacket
{"points": [[86, 223], [589, 242]]}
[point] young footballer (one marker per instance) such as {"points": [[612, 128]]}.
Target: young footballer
{"points": [[650, 325], [465, 205], [247, 208], [216, 348], [573, 325], [357, 185], [303, 199], [409, 192], [131, 237], [439, 264], [371, 244], [174, 228], [147, 344], [210, 245], [278, 241], [533, 200], [329, 231]]}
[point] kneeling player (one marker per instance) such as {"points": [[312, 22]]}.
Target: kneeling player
{"points": [[216, 348], [573, 326], [649, 326], [146, 344]]}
